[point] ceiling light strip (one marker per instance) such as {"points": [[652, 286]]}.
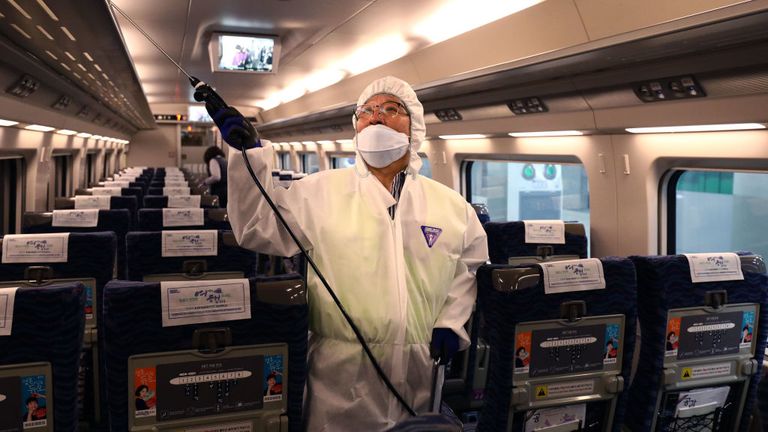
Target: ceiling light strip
{"points": [[545, 134], [697, 128], [47, 10], [69, 35], [19, 8], [39, 128], [23, 33], [51, 54], [71, 57], [42, 30], [463, 136], [8, 122], [88, 56]]}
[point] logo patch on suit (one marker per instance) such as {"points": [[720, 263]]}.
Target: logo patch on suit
{"points": [[431, 234]]}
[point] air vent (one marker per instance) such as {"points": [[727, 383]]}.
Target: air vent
{"points": [[668, 89], [62, 103], [449, 114], [24, 87], [84, 112], [530, 105]]}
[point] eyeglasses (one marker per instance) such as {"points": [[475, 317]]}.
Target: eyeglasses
{"points": [[388, 110]]}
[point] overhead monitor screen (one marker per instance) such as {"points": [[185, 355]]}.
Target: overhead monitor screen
{"points": [[197, 113], [243, 53]]}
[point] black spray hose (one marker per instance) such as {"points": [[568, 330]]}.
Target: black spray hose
{"points": [[210, 96]]}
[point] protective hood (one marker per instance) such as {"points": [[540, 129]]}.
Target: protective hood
{"points": [[401, 89]]}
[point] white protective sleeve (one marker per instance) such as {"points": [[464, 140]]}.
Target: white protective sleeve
{"points": [[463, 292], [253, 222]]}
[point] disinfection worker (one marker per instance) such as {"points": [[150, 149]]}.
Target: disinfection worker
{"points": [[400, 250]]}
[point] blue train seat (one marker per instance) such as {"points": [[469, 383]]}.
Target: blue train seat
{"points": [[507, 240], [513, 301], [129, 203], [153, 220], [90, 260], [162, 201], [117, 221], [146, 260], [134, 331], [680, 364], [41, 356]]}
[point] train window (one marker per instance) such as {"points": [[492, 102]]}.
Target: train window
{"points": [[310, 163], [426, 167], [342, 161], [60, 176], [90, 169], [11, 194], [525, 190], [107, 156], [284, 160], [712, 211]]}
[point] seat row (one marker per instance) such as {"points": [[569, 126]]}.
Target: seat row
{"points": [[553, 340]]}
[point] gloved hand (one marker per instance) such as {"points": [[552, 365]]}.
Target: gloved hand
{"points": [[235, 129], [444, 345]]}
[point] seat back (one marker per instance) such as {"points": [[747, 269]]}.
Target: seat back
{"points": [[676, 360], [117, 221], [508, 239], [135, 335], [159, 219], [526, 373], [193, 254], [46, 339], [129, 203]]}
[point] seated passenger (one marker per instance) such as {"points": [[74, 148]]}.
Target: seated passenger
{"points": [[400, 250]]}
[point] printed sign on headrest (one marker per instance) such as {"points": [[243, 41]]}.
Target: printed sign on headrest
{"points": [[184, 201], [35, 248], [75, 218], [170, 191], [183, 217], [193, 302], [117, 184], [713, 267], [573, 275], [190, 243], [7, 296], [111, 191], [101, 202], [544, 231]]}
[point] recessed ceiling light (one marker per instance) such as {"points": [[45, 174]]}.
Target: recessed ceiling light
{"points": [[65, 67], [69, 35], [51, 54], [8, 122], [82, 67], [39, 128], [88, 56], [71, 57], [83, 135], [23, 33], [47, 10], [463, 136], [545, 133], [42, 30], [344, 141], [91, 75], [308, 142], [105, 76], [19, 8], [66, 132], [697, 128], [325, 142], [96, 65], [77, 75]]}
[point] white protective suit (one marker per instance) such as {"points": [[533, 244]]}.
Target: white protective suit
{"points": [[398, 279]]}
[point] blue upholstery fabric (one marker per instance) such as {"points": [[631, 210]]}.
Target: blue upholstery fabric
{"points": [[117, 221], [133, 325], [145, 257], [507, 239], [503, 311], [48, 325], [137, 192], [152, 220], [155, 201], [664, 283], [131, 203], [154, 191]]}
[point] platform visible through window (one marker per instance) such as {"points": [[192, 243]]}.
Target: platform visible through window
{"points": [[515, 191], [718, 211]]}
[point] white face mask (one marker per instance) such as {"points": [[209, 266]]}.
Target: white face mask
{"points": [[380, 145]]}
